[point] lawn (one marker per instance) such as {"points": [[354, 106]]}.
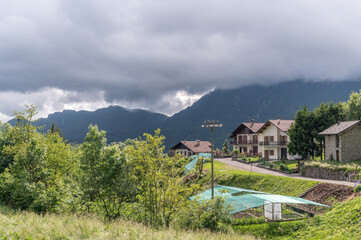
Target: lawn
{"points": [[227, 175]]}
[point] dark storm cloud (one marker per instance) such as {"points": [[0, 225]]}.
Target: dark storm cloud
{"points": [[141, 52]]}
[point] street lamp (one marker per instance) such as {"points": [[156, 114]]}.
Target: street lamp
{"points": [[211, 124]]}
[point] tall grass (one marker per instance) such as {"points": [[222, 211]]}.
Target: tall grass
{"points": [[27, 225]]}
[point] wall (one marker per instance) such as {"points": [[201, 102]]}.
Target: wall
{"points": [[317, 172], [330, 143], [271, 130], [350, 143]]}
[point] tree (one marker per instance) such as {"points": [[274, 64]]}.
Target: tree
{"points": [[301, 136], [304, 138], [225, 147], [161, 192], [106, 177], [354, 106]]}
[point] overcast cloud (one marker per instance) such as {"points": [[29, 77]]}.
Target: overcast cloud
{"points": [[163, 55]]}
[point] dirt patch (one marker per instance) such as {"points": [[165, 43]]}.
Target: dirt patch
{"points": [[329, 194]]}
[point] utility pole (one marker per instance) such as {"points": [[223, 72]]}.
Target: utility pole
{"points": [[211, 124]]}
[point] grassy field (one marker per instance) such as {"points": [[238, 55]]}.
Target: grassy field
{"points": [[26, 225], [227, 175]]}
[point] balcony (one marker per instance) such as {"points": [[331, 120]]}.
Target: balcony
{"points": [[244, 142], [273, 144]]}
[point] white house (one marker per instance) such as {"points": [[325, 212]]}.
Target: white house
{"points": [[246, 139], [275, 139]]}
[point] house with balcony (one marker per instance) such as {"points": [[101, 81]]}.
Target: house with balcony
{"points": [[274, 140], [342, 141], [190, 148], [245, 138]]}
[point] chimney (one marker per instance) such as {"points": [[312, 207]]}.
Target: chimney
{"points": [[252, 122], [338, 123], [198, 142], [279, 120]]}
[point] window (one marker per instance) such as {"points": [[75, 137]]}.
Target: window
{"points": [[272, 152], [272, 139]]}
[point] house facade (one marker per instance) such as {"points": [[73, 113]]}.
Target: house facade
{"points": [[275, 139], [246, 138], [343, 141], [190, 148]]}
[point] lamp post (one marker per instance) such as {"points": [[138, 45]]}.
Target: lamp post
{"points": [[211, 124]]}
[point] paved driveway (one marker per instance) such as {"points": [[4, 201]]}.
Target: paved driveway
{"points": [[248, 167]]}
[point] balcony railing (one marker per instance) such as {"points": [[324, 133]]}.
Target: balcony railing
{"points": [[244, 142], [273, 144]]}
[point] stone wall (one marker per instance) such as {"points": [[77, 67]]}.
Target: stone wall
{"points": [[325, 173], [351, 144]]}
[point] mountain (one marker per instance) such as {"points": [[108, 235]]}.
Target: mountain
{"points": [[229, 106], [119, 123], [233, 106]]}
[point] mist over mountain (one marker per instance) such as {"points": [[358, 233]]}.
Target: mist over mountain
{"points": [[229, 106]]}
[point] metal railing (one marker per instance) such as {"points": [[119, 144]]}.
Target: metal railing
{"points": [[244, 142], [273, 144]]}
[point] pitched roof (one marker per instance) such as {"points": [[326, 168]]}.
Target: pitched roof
{"points": [[283, 125], [339, 127], [254, 127], [195, 146]]}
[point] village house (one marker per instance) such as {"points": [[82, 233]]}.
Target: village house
{"points": [[275, 138], [245, 138], [343, 141], [189, 148]]}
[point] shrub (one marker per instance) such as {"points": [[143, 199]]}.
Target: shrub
{"points": [[272, 165], [283, 167], [212, 214], [357, 188]]}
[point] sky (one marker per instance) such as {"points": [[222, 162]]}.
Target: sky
{"points": [[163, 56]]}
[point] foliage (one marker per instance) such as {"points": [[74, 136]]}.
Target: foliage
{"points": [[199, 165], [354, 166], [354, 106], [357, 188], [27, 225], [105, 174], [304, 138], [283, 167], [211, 214], [225, 148], [161, 192]]}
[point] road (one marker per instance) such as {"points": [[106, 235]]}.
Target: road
{"points": [[247, 167]]}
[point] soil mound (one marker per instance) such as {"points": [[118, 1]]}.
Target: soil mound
{"points": [[328, 193]]}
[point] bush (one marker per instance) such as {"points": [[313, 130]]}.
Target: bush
{"points": [[212, 214], [283, 167], [272, 165], [357, 188]]}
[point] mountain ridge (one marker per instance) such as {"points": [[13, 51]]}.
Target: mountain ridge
{"points": [[229, 106]]}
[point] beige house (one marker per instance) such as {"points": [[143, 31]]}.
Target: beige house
{"points": [[246, 139], [343, 141], [189, 148], [275, 138]]}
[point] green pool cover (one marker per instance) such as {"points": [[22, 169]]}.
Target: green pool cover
{"points": [[241, 199], [190, 166]]}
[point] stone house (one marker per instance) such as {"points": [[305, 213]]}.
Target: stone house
{"points": [[245, 138], [343, 141], [189, 148]]}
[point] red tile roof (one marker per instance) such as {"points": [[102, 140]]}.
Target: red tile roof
{"points": [[339, 127], [196, 146], [283, 125]]}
